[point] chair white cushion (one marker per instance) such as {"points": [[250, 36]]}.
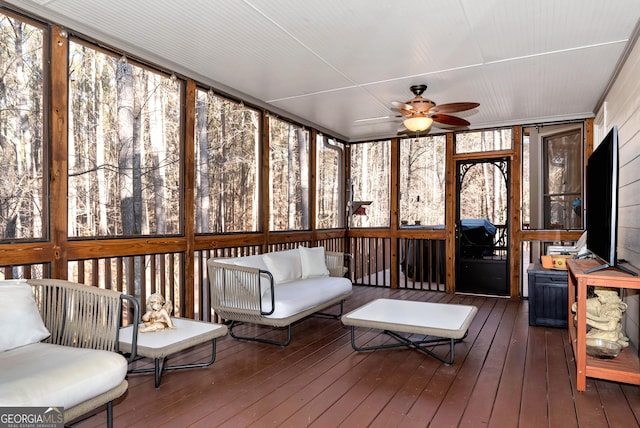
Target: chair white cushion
{"points": [[44, 374], [283, 265], [294, 297], [313, 262], [20, 319]]}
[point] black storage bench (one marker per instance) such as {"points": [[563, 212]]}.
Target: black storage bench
{"points": [[548, 305]]}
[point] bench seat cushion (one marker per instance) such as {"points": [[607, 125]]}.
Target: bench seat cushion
{"points": [[298, 296], [43, 374]]}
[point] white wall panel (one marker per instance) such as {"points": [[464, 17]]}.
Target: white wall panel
{"points": [[623, 110]]}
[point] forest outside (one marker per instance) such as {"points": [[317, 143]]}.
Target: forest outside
{"points": [[125, 159], [226, 165], [22, 137], [422, 179], [124, 147]]}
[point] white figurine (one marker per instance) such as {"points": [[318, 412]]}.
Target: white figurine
{"points": [[158, 315]]}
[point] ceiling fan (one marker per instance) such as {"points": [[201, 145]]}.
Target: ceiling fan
{"points": [[419, 113]]}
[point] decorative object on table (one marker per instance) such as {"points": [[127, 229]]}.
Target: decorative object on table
{"points": [[604, 313], [604, 349], [158, 315], [559, 261]]}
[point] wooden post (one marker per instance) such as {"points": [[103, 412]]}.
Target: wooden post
{"points": [[393, 205], [264, 171], [515, 243], [188, 150], [450, 216], [313, 162], [59, 151], [588, 139]]}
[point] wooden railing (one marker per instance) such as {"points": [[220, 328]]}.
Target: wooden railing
{"points": [[130, 267], [371, 261], [137, 275], [420, 264], [26, 271]]}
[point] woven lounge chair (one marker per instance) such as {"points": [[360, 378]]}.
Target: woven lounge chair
{"points": [[83, 316]]}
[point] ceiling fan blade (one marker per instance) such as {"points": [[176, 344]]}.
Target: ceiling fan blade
{"points": [[402, 106], [453, 107], [402, 113], [449, 120]]}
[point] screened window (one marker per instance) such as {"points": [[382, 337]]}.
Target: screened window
{"points": [[289, 176], [226, 159], [563, 180], [329, 179], [370, 182], [124, 147], [422, 180], [553, 168], [484, 141], [22, 181]]}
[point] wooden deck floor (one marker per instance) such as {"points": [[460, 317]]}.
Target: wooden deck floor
{"points": [[505, 374]]}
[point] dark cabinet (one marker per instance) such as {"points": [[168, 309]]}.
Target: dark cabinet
{"points": [[548, 304]]}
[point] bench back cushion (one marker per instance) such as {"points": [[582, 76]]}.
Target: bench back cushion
{"points": [[255, 261], [313, 262], [20, 319], [284, 265]]}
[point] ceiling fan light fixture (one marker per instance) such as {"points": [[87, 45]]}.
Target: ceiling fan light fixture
{"points": [[418, 123]]}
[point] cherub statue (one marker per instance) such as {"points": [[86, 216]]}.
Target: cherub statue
{"points": [[158, 315]]}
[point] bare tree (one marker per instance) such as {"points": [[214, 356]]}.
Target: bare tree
{"points": [[202, 150], [222, 161], [158, 151], [124, 78]]}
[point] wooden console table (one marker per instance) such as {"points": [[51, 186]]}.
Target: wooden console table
{"points": [[626, 367]]}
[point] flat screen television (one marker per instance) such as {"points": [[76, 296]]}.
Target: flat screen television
{"points": [[602, 203]]}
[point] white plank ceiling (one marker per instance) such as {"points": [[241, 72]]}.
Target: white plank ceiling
{"points": [[338, 64]]}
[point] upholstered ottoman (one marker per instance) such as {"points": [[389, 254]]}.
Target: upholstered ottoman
{"points": [[437, 322], [160, 344]]}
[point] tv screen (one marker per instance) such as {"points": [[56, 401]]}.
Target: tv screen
{"points": [[602, 199], [602, 203]]}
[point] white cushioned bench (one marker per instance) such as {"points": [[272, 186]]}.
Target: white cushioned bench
{"points": [[276, 289]]}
